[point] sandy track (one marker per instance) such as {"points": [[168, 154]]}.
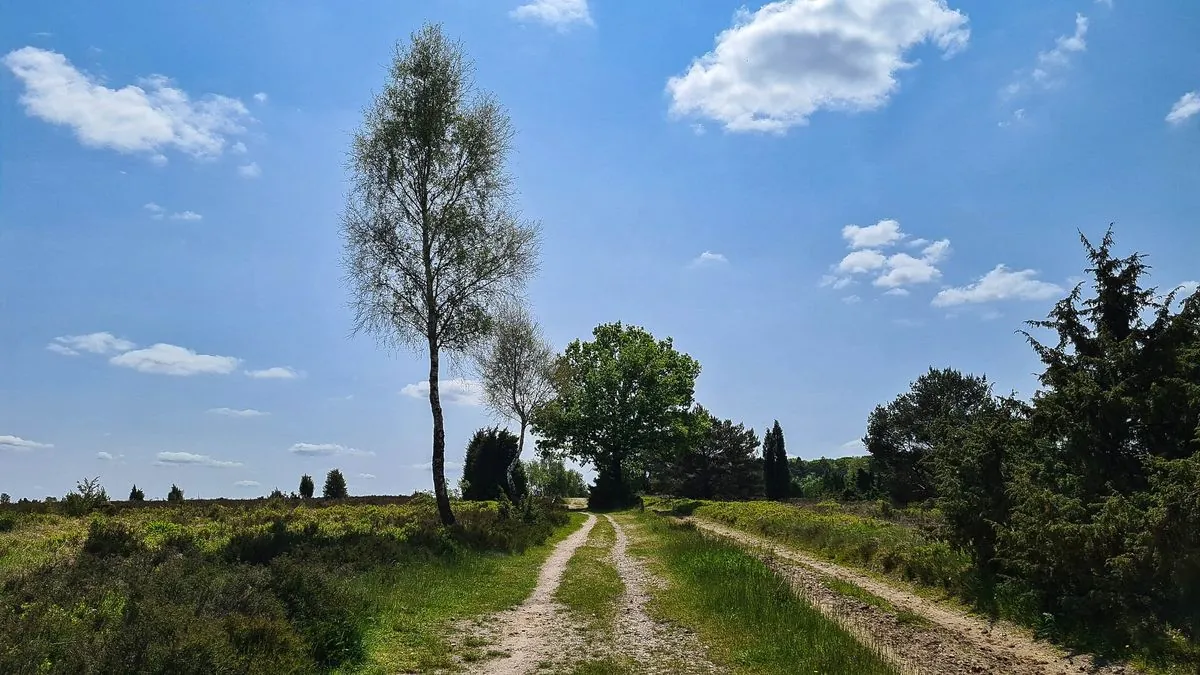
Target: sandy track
{"points": [[656, 647], [953, 642], [535, 632]]}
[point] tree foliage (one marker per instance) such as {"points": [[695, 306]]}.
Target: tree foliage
{"points": [[432, 242], [306, 487], [622, 402], [550, 478], [175, 494], [777, 477], [335, 485], [486, 473], [903, 435], [136, 495], [722, 464]]}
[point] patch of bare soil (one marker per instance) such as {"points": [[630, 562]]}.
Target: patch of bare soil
{"points": [[537, 633], [952, 642], [655, 646]]}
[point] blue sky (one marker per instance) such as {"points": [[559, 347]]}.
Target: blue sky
{"points": [[818, 199]]}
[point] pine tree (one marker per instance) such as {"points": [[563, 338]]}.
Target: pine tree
{"points": [[776, 473], [335, 485], [306, 486], [136, 495], [175, 495]]}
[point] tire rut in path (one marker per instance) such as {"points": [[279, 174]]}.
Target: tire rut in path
{"points": [[656, 647], [955, 642], [535, 631]]}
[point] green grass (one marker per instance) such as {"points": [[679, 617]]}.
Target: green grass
{"points": [[605, 666], [591, 585], [858, 593], [749, 617], [417, 603]]}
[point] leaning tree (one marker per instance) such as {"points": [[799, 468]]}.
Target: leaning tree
{"points": [[514, 369], [433, 244]]}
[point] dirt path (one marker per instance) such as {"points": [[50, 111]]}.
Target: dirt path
{"points": [[656, 647], [534, 632], [951, 642]]}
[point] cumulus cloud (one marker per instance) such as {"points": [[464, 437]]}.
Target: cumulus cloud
{"points": [[106, 456], [276, 373], [326, 449], [458, 390], [192, 459], [999, 284], [261, 97], [238, 148], [560, 14], [235, 412], [251, 170], [18, 443], [186, 215], [708, 259], [1185, 108], [156, 211], [775, 67], [247, 483], [147, 118], [95, 343], [165, 359], [891, 271], [880, 235]]}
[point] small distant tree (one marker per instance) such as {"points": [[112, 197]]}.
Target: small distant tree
{"points": [[136, 495], [306, 486], [87, 496], [777, 478], [276, 493], [432, 243], [722, 464], [335, 485], [4, 498], [486, 468], [175, 495], [549, 477]]}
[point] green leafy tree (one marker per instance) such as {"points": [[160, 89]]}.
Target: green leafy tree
{"points": [[623, 403], [902, 435], [777, 477], [486, 471], [306, 487], [335, 485], [549, 477], [722, 464], [433, 245], [175, 495], [136, 495]]}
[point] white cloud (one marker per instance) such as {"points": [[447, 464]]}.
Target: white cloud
{"points": [[250, 170], [775, 67], [261, 97], [327, 449], [937, 251], [851, 299], [106, 456], [861, 261], [458, 390], [1051, 64], [880, 235], [835, 282], [904, 270], [1017, 116], [18, 443], [367, 476], [708, 259], [147, 118], [95, 343], [854, 447], [187, 215], [901, 292], [1188, 287], [247, 483], [238, 148], [276, 373], [156, 211], [235, 412], [560, 14], [1107, 3], [192, 459], [165, 359], [1187, 106], [428, 466], [999, 284]]}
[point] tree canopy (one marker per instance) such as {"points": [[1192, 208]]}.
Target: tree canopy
{"points": [[620, 401], [486, 473], [723, 463]]}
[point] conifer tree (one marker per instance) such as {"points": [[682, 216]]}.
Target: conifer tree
{"points": [[335, 485], [136, 495], [306, 486]]}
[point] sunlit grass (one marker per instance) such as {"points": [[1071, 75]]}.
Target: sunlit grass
{"points": [[591, 585]]}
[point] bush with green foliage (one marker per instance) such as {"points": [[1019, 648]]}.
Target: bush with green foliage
{"points": [[550, 478], [175, 495], [722, 464], [490, 453], [306, 487], [335, 485], [88, 496]]}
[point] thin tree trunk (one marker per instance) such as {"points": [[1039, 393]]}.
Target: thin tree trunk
{"points": [[439, 440], [512, 466]]}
